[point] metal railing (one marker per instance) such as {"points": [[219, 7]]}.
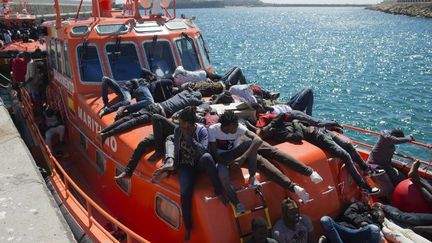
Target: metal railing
{"points": [[66, 182]]}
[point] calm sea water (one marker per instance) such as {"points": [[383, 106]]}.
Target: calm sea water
{"points": [[367, 68]]}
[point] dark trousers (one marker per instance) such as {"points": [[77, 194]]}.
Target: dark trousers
{"points": [[223, 170], [123, 94], [132, 120], [162, 128], [187, 177], [337, 233], [407, 219], [273, 173], [342, 149], [161, 89], [302, 101], [143, 147], [272, 153], [233, 76]]}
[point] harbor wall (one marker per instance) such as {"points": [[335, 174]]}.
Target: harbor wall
{"points": [[417, 9]]}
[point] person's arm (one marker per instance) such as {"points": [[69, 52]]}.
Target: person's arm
{"points": [[201, 143], [301, 116], [398, 140], [256, 142]]}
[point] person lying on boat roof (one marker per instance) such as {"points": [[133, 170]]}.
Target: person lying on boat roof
{"points": [[293, 226], [361, 223], [244, 93], [260, 231], [424, 185], [301, 101], [382, 153], [143, 116], [130, 89], [284, 130]]}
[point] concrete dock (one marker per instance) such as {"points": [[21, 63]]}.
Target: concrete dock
{"points": [[28, 212]]}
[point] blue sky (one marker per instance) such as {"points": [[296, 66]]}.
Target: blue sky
{"points": [[323, 1]]}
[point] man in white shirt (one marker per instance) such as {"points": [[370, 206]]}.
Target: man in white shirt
{"points": [[182, 76], [228, 149]]}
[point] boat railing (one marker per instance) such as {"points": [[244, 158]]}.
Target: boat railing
{"points": [[64, 185], [410, 158]]}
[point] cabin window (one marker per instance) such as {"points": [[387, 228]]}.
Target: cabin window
{"points": [[80, 30], [53, 55], [67, 70], [160, 58], [124, 183], [100, 162], [108, 29], [168, 210], [204, 52], [123, 61], [90, 68], [59, 57], [188, 54]]}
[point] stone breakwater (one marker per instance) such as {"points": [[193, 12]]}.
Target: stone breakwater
{"points": [[409, 9]]}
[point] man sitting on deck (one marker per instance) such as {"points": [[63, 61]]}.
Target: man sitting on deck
{"points": [[285, 129]]}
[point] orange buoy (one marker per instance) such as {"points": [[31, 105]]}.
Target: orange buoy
{"points": [[408, 198]]}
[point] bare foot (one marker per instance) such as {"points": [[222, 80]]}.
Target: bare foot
{"points": [[414, 169]]}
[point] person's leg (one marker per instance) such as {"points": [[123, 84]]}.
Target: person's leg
{"points": [[415, 177], [325, 142], [272, 153], [143, 147], [225, 76], [161, 89], [340, 233], [347, 146], [207, 163], [162, 128], [274, 173], [116, 123], [302, 101], [330, 230], [134, 122], [48, 137], [412, 219], [124, 96], [236, 77], [186, 176], [239, 151], [60, 130], [223, 173]]}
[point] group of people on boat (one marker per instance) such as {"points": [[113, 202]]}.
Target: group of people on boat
{"points": [[13, 31], [192, 138], [197, 139]]}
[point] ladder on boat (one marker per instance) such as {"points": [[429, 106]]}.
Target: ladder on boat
{"points": [[262, 207]]}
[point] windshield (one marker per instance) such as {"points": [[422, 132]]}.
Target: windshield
{"points": [[160, 58], [188, 54], [123, 61]]}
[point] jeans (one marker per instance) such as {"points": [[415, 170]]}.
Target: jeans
{"points": [[302, 101], [143, 147], [132, 120], [342, 149], [161, 89], [162, 128], [124, 95], [187, 177], [223, 170], [337, 233], [233, 76], [143, 99]]}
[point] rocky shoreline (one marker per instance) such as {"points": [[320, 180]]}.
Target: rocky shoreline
{"points": [[409, 9]]}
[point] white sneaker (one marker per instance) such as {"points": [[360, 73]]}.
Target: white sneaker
{"points": [[254, 182], [301, 193], [315, 177]]}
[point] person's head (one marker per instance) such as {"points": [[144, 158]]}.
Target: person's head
{"points": [[229, 122], [290, 212], [259, 229], [187, 119], [132, 84], [397, 132]]}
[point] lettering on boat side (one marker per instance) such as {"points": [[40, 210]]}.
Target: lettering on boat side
{"points": [[67, 83], [96, 127]]}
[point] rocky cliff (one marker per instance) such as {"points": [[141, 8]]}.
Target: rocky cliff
{"points": [[410, 9]]}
